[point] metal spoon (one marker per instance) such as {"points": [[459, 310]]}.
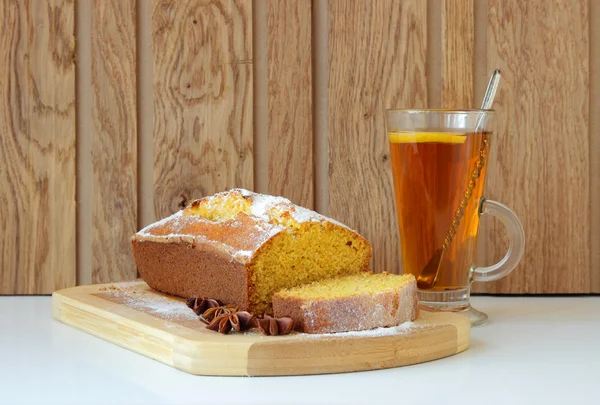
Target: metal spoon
{"points": [[429, 275]]}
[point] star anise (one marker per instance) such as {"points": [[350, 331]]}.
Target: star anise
{"points": [[200, 305], [238, 321], [214, 312], [275, 326]]}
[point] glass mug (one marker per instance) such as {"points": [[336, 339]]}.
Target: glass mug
{"points": [[439, 162]]}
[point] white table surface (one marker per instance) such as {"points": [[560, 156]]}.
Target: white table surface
{"points": [[533, 350]]}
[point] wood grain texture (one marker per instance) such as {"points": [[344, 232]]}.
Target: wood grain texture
{"points": [[37, 147], [84, 129], [161, 327], [458, 43], [539, 163], [320, 55], [145, 111], [433, 61], [595, 145], [260, 102], [377, 54], [114, 153], [290, 100], [202, 99]]}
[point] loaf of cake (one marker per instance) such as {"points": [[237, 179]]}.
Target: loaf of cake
{"points": [[350, 303], [240, 247]]}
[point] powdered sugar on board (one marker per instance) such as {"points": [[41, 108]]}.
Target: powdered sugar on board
{"points": [[402, 329], [141, 298]]}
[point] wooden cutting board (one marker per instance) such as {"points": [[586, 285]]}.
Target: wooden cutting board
{"points": [[163, 328]]}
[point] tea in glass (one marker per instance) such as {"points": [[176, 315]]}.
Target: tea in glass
{"points": [[439, 162]]}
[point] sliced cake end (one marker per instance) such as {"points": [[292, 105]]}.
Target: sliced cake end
{"points": [[350, 303]]}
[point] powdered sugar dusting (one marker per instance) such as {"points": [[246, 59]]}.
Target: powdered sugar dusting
{"points": [[302, 214], [139, 297], [176, 222], [402, 329], [261, 204], [245, 193], [242, 255]]}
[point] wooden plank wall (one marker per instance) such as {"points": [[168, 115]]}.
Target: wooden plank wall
{"points": [[458, 46], [289, 99], [179, 99], [37, 146], [540, 161], [594, 87], [114, 138]]}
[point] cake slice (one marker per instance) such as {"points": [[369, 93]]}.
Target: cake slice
{"points": [[241, 247], [349, 303]]}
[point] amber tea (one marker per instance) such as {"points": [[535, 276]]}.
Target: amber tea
{"points": [[438, 179]]}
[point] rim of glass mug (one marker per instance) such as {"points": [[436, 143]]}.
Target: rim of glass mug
{"points": [[472, 120]]}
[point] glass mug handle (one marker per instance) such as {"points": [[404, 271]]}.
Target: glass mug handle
{"points": [[517, 242]]}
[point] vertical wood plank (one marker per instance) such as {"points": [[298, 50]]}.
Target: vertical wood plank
{"points": [[202, 99], [145, 113], [595, 144], [84, 166], [377, 53], [480, 70], [458, 42], [260, 90], [290, 100], [539, 163], [114, 153], [320, 80], [433, 61], [37, 147]]}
